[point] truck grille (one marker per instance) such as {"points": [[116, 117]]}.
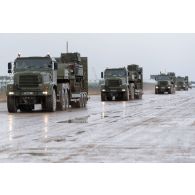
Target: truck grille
{"points": [[113, 83], [28, 81]]}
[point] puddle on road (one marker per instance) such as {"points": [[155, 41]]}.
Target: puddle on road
{"points": [[80, 132], [76, 120], [55, 139], [158, 108]]}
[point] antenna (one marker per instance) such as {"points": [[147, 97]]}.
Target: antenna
{"points": [[66, 46]]}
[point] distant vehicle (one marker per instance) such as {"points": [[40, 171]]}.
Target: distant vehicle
{"points": [[190, 85], [55, 83], [182, 83], [122, 83], [187, 82], [165, 83]]}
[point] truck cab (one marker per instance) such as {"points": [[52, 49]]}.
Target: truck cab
{"points": [[163, 86], [181, 84], [34, 82], [164, 83], [115, 85]]}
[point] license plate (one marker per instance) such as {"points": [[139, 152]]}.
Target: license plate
{"points": [[28, 93]]}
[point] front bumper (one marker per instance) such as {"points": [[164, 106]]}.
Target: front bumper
{"points": [[163, 89], [28, 93]]}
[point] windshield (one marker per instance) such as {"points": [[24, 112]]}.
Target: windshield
{"points": [[180, 83], [115, 73], [32, 63], [163, 83]]}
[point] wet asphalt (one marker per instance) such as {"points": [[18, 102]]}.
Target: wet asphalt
{"points": [[158, 128]]}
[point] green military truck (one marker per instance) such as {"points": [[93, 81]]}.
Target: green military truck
{"points": [[165, 83], [55, 83], [182, 83], [122, 83], [187, 82]]}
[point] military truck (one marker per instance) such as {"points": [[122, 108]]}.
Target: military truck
{"points": [[187, 82], [182, 83], [165, 83], [55, 83], [122, 83]]}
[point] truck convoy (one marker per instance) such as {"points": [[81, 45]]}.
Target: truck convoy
{"points": [[182, 83], [122, 83], [165, 83], [55, 83]]}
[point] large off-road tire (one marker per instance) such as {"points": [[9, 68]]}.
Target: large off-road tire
{"points": [[51, 102], [84, 101], [156, 91], [126, 96], [73, 104], [11, 104], [64, 101], [103, 97], [170, 91], [140, 96], [43, 104], [132, 93]]}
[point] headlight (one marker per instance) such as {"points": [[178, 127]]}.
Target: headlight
{"points": [[169, 87], [103, 90], [156, 87], [11, 93], [123, 90], [45, 92], [175, 85]]}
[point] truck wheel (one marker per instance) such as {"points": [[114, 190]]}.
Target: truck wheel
{"points": [[11, 104], [103, 97], [156, 91], [170, 91], [43, 104], [51, 102], [126, 96], [140, 96], [84, 101], [132, 95], [62, 104], [66, 101]]}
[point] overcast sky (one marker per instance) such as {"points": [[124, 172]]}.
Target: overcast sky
{"points": [[154, 52]]}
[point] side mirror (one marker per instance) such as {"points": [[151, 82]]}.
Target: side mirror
{"points": [[9, 67], [102, 75], [50, 65], [55, 65]]}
